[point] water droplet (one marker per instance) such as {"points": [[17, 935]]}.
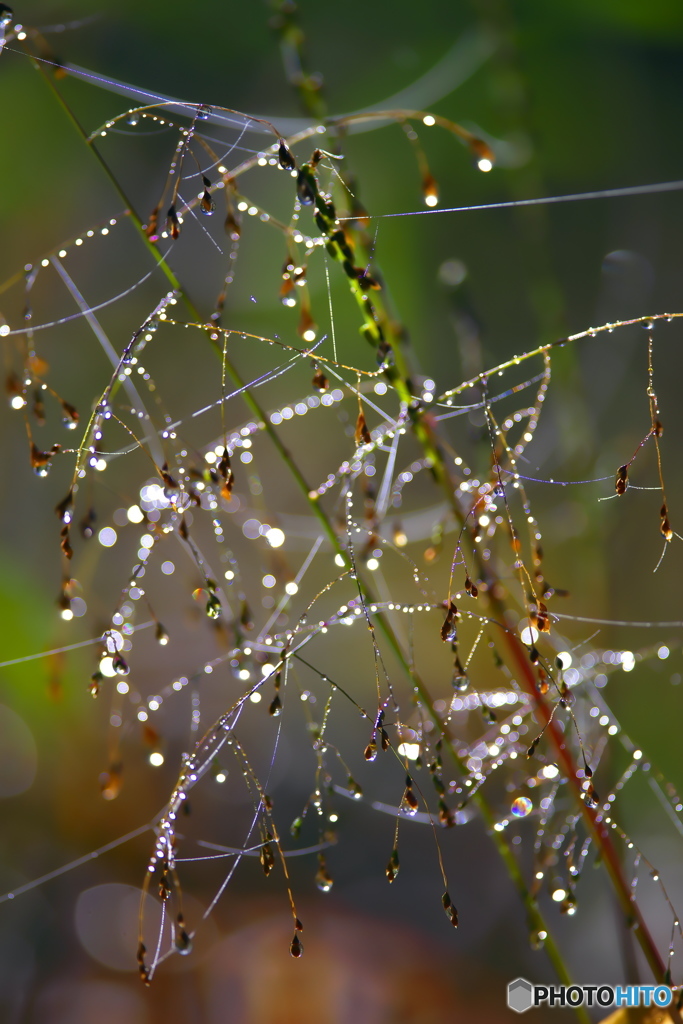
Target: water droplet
{"points": [[143, 970], [172, 221], [449, 633], [430, 190], [267, 858], [119, 664], [40, 461], [232, 226], [183, 942], [392, 868], [71, 417], [64, 508], [296, 947], [87, 524], [323, 879], [356, 790], [621, 482], [362, 434], [306, 186], [285, 157], [275, 707], [410, 803], [521, 806], [451, 912]]}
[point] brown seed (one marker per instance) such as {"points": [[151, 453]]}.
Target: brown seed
{"points": [[362, 434]]}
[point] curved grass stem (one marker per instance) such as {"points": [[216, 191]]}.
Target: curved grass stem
{"points": [[396, 369]]}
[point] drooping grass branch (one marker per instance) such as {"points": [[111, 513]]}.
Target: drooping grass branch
{"points": [[344, 247]]}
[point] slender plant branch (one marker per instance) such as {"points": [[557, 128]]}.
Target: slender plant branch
{"points": [[397, 373]]}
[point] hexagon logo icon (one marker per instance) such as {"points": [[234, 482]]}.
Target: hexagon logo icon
{"points": [[520, 995]]}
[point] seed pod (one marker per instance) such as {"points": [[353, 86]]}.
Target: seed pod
{"points": [[391, 870], [542, 618], [285, 157], [362, 434], [172, 221], [448, 629], [275, 707], [451, 912], [621, 482]]}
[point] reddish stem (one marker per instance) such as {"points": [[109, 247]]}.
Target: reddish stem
{"points": [[598, 829]]}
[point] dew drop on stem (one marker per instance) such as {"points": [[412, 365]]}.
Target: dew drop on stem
{"points": [[451, 912], [446, 815], [38, 408], [323, 879], [267, 858], [356, 789], [172, 221], [64, 508], [40, 461], [232, 226], [306, 187], [410, 802], [392, 868], [65, 543], [119, 664], [362, 434], [449, 633], [143, 970], [213, 606], [183, 942], [70, 416], [285, 157], [87, 524]]}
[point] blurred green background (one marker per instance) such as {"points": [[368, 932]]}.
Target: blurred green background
{"points": [[579, 96]]}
